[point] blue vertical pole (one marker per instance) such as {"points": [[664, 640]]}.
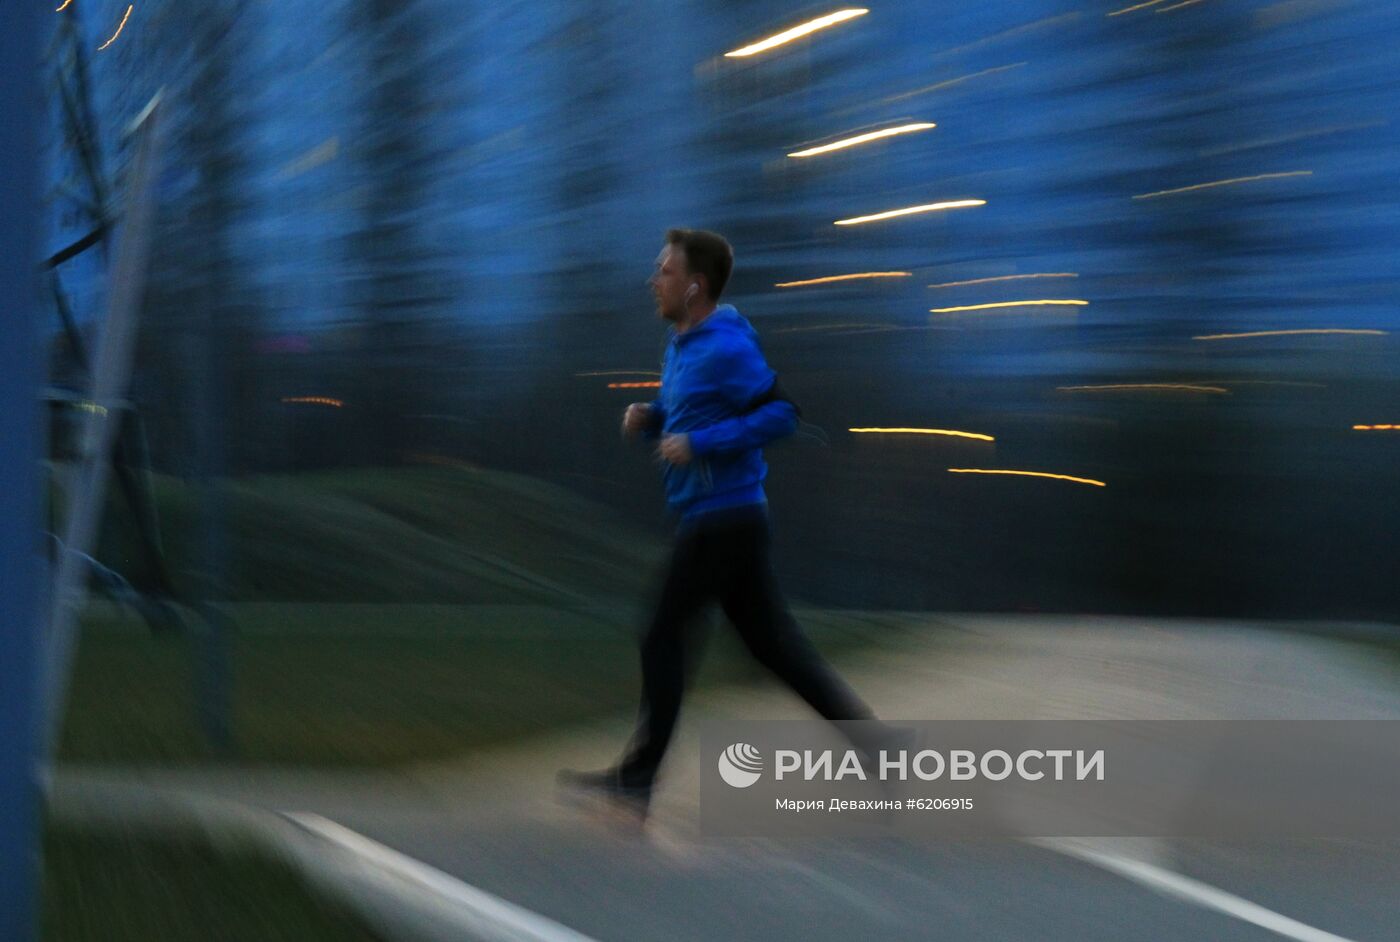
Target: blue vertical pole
{"points": [[20, 437]]}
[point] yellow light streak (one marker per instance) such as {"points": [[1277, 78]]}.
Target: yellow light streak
{"points": [[654, 385], [985, 281], [1149, 3], [1184, 387], [1178, 6], [1229, 182], [1067, 302], [864, 138], [314, 400], [1029, 474], [620, 373], [921, 431], [64, 7], [1285, 333], [797, 32], [120, 27], [909, 210], [832, 278], [1377, 428]]}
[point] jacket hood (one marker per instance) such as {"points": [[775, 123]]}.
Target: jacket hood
{"points": [[724, 318]]}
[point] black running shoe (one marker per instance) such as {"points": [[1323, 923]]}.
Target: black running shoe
{"points": [[610, 786]]}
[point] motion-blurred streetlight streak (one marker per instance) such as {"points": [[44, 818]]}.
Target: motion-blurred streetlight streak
{"points": [[64, 7], [652, 385], [1178, 6], [1284, 333], [922, 431], [1268, 382], [1066, 302], [797, 32], [120, 27], [1029, 474], [1376, 428], [1184, 387], [314, 400], [864, 138], [1229, 182], [984, 281], [1139, 6], [909, 210], [833, 278]]}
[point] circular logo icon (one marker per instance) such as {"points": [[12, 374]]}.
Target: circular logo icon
{"points": [[740, 765]]}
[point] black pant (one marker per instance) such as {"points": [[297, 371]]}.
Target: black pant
{"points": [[726, 561]]}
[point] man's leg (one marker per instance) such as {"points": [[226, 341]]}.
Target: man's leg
{"points": [[688, 587], [753, 602]]}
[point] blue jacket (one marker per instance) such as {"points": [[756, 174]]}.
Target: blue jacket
{"points": [[712, 376]]}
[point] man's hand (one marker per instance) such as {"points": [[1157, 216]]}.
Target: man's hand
{"points": [[635, 419], [675, 449]]}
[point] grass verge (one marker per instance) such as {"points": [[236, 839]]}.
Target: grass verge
{"points": [[379, 685], [455, 536], [129, 887]]}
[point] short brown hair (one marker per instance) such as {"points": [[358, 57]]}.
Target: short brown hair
{"points": [[706, 253]]}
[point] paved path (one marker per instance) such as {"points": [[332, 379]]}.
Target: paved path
{"points": [[494, 823]]}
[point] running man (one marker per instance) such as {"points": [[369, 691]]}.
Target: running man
{"points": [[718, 406]]}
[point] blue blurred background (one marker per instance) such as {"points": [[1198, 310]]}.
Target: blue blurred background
{"points": [[404, 233]]}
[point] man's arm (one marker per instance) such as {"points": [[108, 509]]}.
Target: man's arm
{"points": [[770, 421], [646, 418], [656, 418], [762, 411]]}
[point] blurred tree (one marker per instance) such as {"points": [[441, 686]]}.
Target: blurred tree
{"points": [[399, 282], [196, 375]]}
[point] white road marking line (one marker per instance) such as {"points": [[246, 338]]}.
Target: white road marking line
{"points": [[499, 918], [1190, 890]]}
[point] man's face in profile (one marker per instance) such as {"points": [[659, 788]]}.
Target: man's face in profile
{"points": [[669, 283]]}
